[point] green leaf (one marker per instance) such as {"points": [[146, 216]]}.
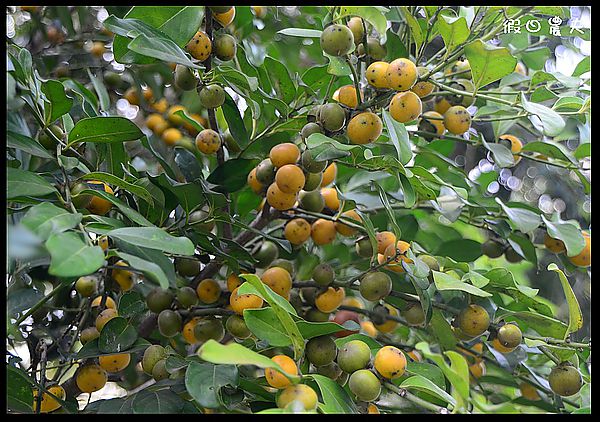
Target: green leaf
{"points": [[233, 76], [235, 122], [45, 219], [337, 66], [523, 246], [335, 398], [91, 350], [301, 32], [104, 130], [569, 233], [399, 137], [232, 175], [314, 329], [583, 66], [501, 154], [421, 383], [59, 103], [447, 282], [326, 148], [544, 325], [415, 29], [265, 325], [150, 269], [454, 30], [21, 183], [116, 181], [575, 315], [550, 149], [371, 342], [521, 218], [455, 372], [71, 256], [19, 393], [154, 238], [131, 304], [159, 401], [203, 381], [280, 79], [161, 48], [488, 63], [127, 211], [116, 336], [26, 144], [100, 90], [369, 13], [463, 250], [552, 123]]}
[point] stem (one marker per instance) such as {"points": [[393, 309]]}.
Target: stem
{"points": [[39, 304], [355, 80]]}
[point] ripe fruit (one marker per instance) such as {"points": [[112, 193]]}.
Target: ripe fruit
{"points": [[110, 303], [341, 317], [233, 282], [330, 300], [208, 291], [187, 267], [159, 299], [225, 18], [171, 136], [172, 117], [457, 120], [405, 107], [358, 30], [237, 327], [265, 172], [414, 314], [332, 117], [114, 363], [88, 334], [375, 286], [254, 184], [401, 74], [290, 179], [354, 355], [390, 362], [169, 323], [91, 378], [199, 46], [515, 146], [565, 380], [159, 106], [184, 78], [492, 248], [321, 350], [509, 335], [311, 200], [395, 254], [209, 328], [282, 154], [240, 302], [105, 316], [297, 231], [308, 130], [86, 286], [323, 274], [344, 229], [225, 47], [477, 369], [93, 204], [208, 141], [529, 392], [388, 325], [123, 277], [323, 232], [372, 409], [188, 329], [98, 49], [152, 354], [377, 74], [280, 200], [347, 96], [422, 88], [331, 198], [554, 245], [415, 355], [187, 297], [49, 403], [274, 377], [329, 174], [364, 128], [299, 393], [384, 239], [463, 100], [337, 40], [583, 258], [279, 280], [259, 11], [441, 104], [266, 254], [433, 122], [212, 96], [365, 385], [473, 321], [499, 347]]}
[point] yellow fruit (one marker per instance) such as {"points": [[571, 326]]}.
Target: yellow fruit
{"points": [[280, 200], [329, 174], [290, 179], [369, 328], [347, 96], [390, 362], [515, 146], [171, 136], [473, 321], [499, 347], [460, 66], [441, 104], [521, 69], [358, 30], [98, 49], [433, 122], [354, 302], [330, 299], [154, 119], [401, 74], [457, 120], [389, 325], [159, 106], [208, 291], [344, 229], [377, 74], [160, 127], [114, 363], [323, 232], [279, 280], [225, 18], [300, 393], [49, 403], [259, 11], [274, 377], [282, 154], [390, 251], [105, 316], [97, 205], [297, 231], [554, 245], [240, 302], [123, 277], [372, 409], [254, 184], [405, 107], [529, 391], [422, 88], [86, 286], [477, 369], [188, 330], [110, 303], [131, 96], [364, 128], [415, 355], [233, 282], [91, 378], [583, 258], [384, 239], [331, 198], [199, 46], [208, 141]]}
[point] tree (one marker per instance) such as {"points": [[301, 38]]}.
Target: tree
{"points": [[297, 209]]}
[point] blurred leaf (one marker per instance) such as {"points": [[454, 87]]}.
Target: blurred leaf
{"points": [[575, 315]]}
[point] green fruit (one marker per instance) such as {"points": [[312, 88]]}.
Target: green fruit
{"points": [[312, 181], [364, 248], [224, 47], [321, 350], [295, 300], [309, 294], [376, 50], [237, 327], [209, 329], [212, 96], [113, 80], [159, 371], [375, 286], [512, 256], [565, 380], [187, 267], [266, 254], [510, 335], [492, 248], [220, 9], [309, 129], [332, 117], [311, 200], [159, 299], [353, 356], [285, 264], [187, 297], [309, 164], [169, 323], [152, 354], [337, 40], [462, 100], [265, 172], [323, 274], [48, 141], [86, 286], [88, 334], [331, 371], [413, 314], [184, 78], [431, 262], [365, 385], [197, 216], [343, 378], [314, 315]]}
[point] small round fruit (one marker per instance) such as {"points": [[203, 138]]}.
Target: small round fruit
{"points": [[159, 299], [414, 314], [188, 328], [311, 200], [297, 231], [377, 51], [91, 378], [48, 141], [390, 362], [124, 278], [98, 49], [299, 393], [357, 27], [309, 129], [347, 95], [554, 245], [321, 350], [208, 291], [265, 172], [332, 117], [377, 75], [86, 286], [274, 377], [209, 328], [114, 363], [331, 198], [330, 300], [174, 118], [240, 302], [323, 232], [499, 347], [401, 74], [375, 286], [212, 96], [477, 369], [171, 136], [460, 66], [226, 18], [285, 264], [266, 254], [187, 297], [388, 325], [583, 258], [529, 392], [515, 146], [364, 248], [88, 334], [152, 354], [225, 47], [48, 403], [159, 372], [365, 385], [354, 355], [184, 78], [337, 40], [187, 267], [415, 355], [512, 256], [280, 200], [254, 184], [208, 141], [195, 219], [105, 316], [314, 315], [344, 229], [323, 274], [169, 323], [457, 120], [473, 320], [282, 154], [395, 255], [565, 380], [341, 317], [509, 335], [432, 122], [110, 303], [233, 282], [384, 239], [290, 178], [279, 280], [237, 327], [492, 248], [93, 204], [329, 174], [331, 370], [364, 128], [405, 107], [464, 100], [441, 104], [422, 88], [199, 46]]}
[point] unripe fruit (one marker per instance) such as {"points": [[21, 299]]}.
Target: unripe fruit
{"points": [[311, 200], [49, 403], [169, 323], [105, 316], [375, 286], [337, 40], [265, 172], [323, 274], [110, 303], [515, 146], [285, 264], [184, 78], [159, 299], [282, 154], [331, 198], [300, 393], [473, 321], [279, 280], [329, 174], [194, 221], [364, 248], [457, 120], [114, 363], [554, 245], [86, 286], [321, 350], [314, 315], [358, 30], [152, 354], [354, 355], [274, 377], [401, 74], [48, 141], [225, 47], [512, 256], [342, 317], [290, 179], [414, 314], [91, 378], [346, 95], [405, 107], [209, 328], [266, 254], [254, 184], [377, 75], [226, 18], [433, 122], [297, 231], [364, 128], [390, 362], [332, 117], [187, 297], [312, 181], [208, 141], [460, 66], [344, 229], [208, 291], [171, 136], [492, 248], [509, 335], [237, 327], [384, 239], [323, 232], [331, 371], [309, 129], [187, 267], [422, 88], [240, 302], [376, 50], [199, 46], [463, 100], [565, 380], [441, 104], [212, 96], [365, 385], [583, 258], [159, 372], [88, 334], [330, 300]]}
